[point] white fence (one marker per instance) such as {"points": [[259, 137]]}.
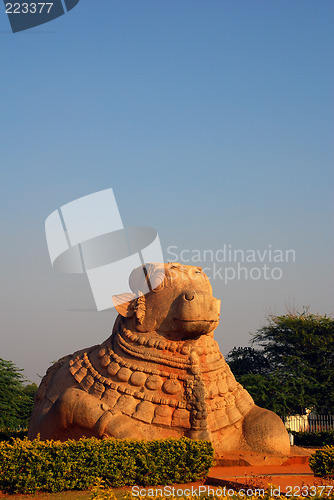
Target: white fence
{"points": [[309, 423]]}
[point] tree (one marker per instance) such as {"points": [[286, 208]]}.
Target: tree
{"points": [[244, 360], [16, 399], [29, 392], [293, 366]]}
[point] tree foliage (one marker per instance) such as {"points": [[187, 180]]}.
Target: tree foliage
{"points": [[290, 366], [245, 360], [16, 399]]}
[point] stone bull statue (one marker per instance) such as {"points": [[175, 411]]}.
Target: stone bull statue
{"points": [[159, 375]]}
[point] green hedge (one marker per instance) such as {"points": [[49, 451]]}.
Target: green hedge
{"points": [[30, 466], [322, 462], [320, 438]]}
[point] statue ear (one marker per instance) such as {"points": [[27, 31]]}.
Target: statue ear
{"points": [[125, 304]]}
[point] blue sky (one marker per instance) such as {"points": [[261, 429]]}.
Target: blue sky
{"points": [[212, 122]]}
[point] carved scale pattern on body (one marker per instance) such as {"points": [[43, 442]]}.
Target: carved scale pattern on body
{"points": [[183, 384]]}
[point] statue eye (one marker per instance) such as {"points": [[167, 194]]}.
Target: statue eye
{"points": [[158, 286], [195, 272], [157, 281]]}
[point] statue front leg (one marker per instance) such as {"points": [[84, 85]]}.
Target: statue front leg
{"points": [[77, 414], [74, 414]]}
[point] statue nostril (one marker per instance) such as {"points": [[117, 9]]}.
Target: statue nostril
{"points": [[189, 296]]}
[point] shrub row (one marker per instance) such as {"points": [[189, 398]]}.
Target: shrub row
{"points": [[320, 438], [30, 466], [322, 462]]}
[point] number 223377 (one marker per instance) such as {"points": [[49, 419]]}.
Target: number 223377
{"points": [[28, 8]]}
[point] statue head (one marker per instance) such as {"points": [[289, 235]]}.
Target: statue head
{"points": [[179, 304]]}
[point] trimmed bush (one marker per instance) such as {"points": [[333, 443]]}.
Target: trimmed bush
{"points": [[30, 466], [319, 438], [322, 462]]}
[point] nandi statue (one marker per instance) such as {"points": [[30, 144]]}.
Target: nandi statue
{"points": [[160, 374]]}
